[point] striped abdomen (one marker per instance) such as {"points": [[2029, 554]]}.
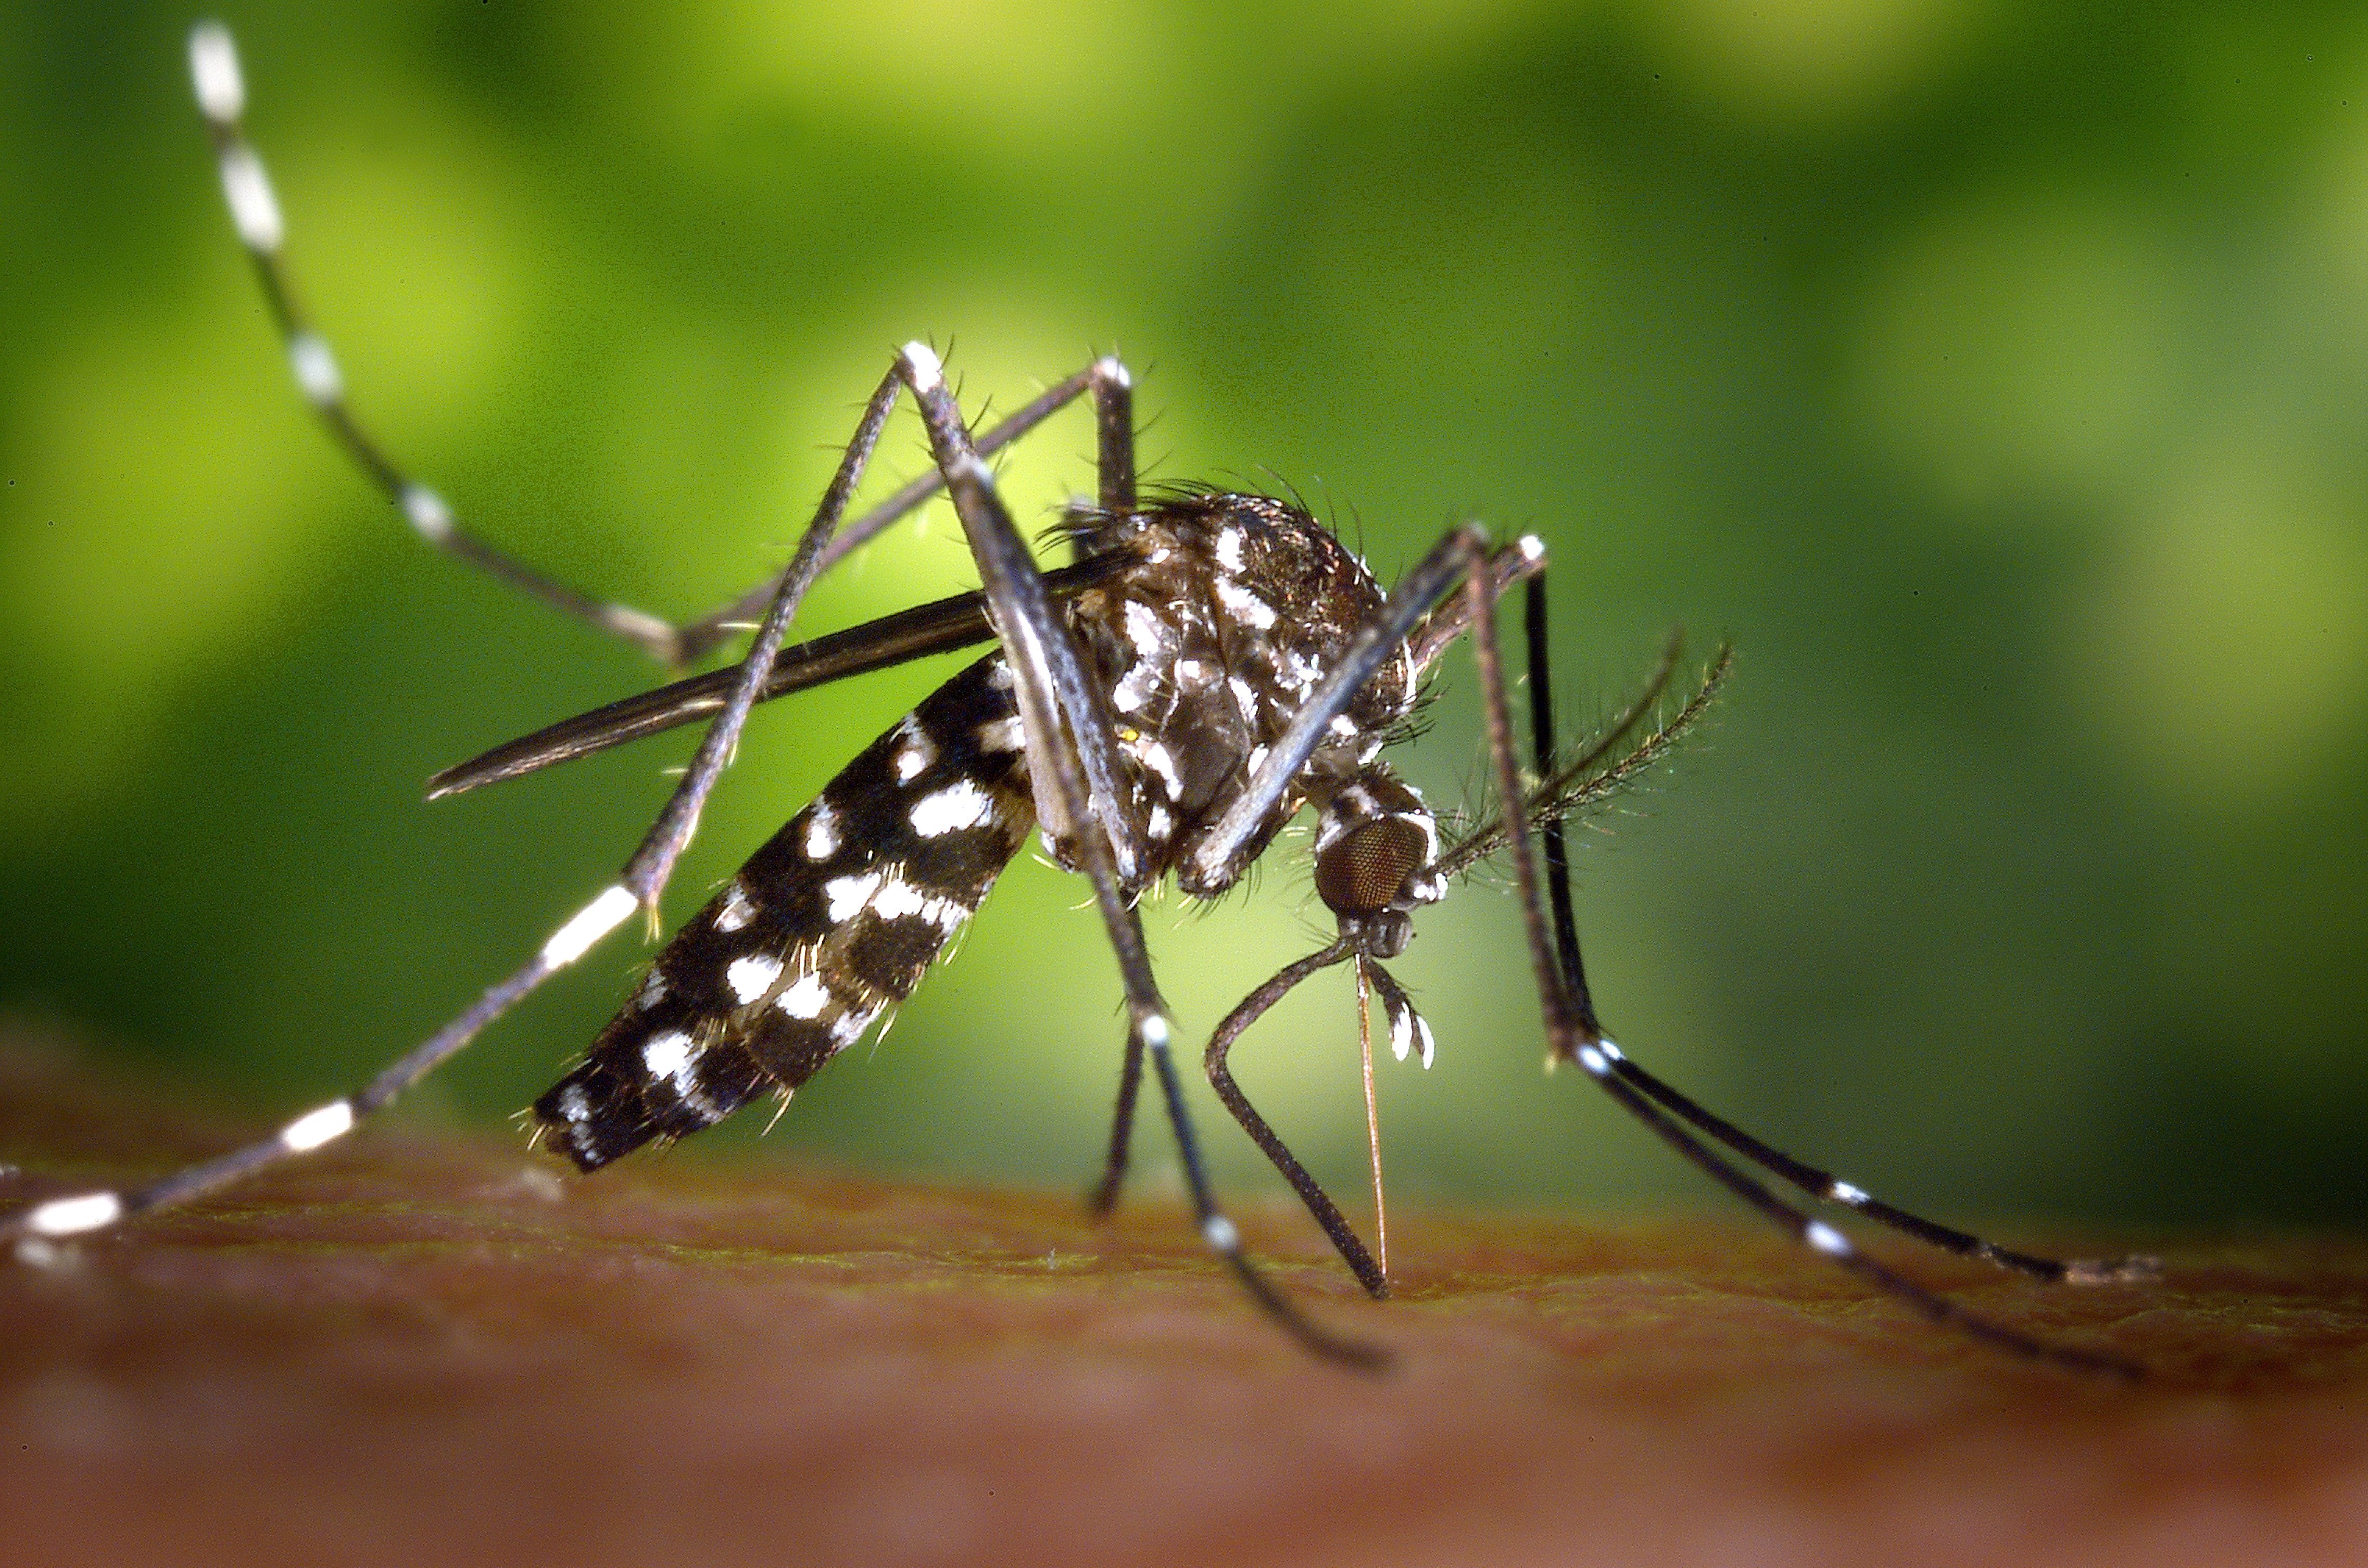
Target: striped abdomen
{"points": [[834, 918]]}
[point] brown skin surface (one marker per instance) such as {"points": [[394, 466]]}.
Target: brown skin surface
{"points": [[416, 1349]]}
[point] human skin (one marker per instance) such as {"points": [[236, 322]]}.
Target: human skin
{"points": [[424, 1347]]}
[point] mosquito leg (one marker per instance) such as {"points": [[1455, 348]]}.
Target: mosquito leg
{"points": [[1557, 850], [1114, 434], [1817, 1183], [643, 878], [1114, 470], [1824, 1186], [255, 213], [1104, 1195], [1821, 1237], [1573, 1035], [1049, 684], [1226, 1242], [652, 864], [1221, 1078], [96, 1210], [1113, 401], [1039, 643], [1114, 465]]}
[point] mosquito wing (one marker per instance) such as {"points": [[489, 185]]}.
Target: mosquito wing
{"points": [[914, 634]]}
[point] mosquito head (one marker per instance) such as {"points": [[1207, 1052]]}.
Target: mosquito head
{"points": [[1376, 853]]}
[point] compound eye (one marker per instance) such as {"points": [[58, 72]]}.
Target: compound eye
{"points": [[1364, 871]]}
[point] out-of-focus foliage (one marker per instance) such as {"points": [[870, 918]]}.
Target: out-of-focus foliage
{"points": [[1996, 374]]}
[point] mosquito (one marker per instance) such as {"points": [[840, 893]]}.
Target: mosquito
{"points": [[1209, 665]]}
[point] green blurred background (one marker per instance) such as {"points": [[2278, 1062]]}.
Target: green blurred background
{"points": [[1994, 373]]}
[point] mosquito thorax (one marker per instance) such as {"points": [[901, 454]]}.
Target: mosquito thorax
{"points": [[1209, 643]]}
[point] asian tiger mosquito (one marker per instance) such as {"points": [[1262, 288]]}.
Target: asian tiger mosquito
{"points": [[1210, 664]]}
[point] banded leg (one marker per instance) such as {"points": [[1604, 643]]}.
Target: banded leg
{"points": [[1051, 686], [1113, 396], [1819, 1184], [1412, 625], [639, 886], [1573, 1034], [262, 229]]}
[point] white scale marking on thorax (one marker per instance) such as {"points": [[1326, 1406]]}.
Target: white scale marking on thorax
{"points": [[1255, 612]]}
